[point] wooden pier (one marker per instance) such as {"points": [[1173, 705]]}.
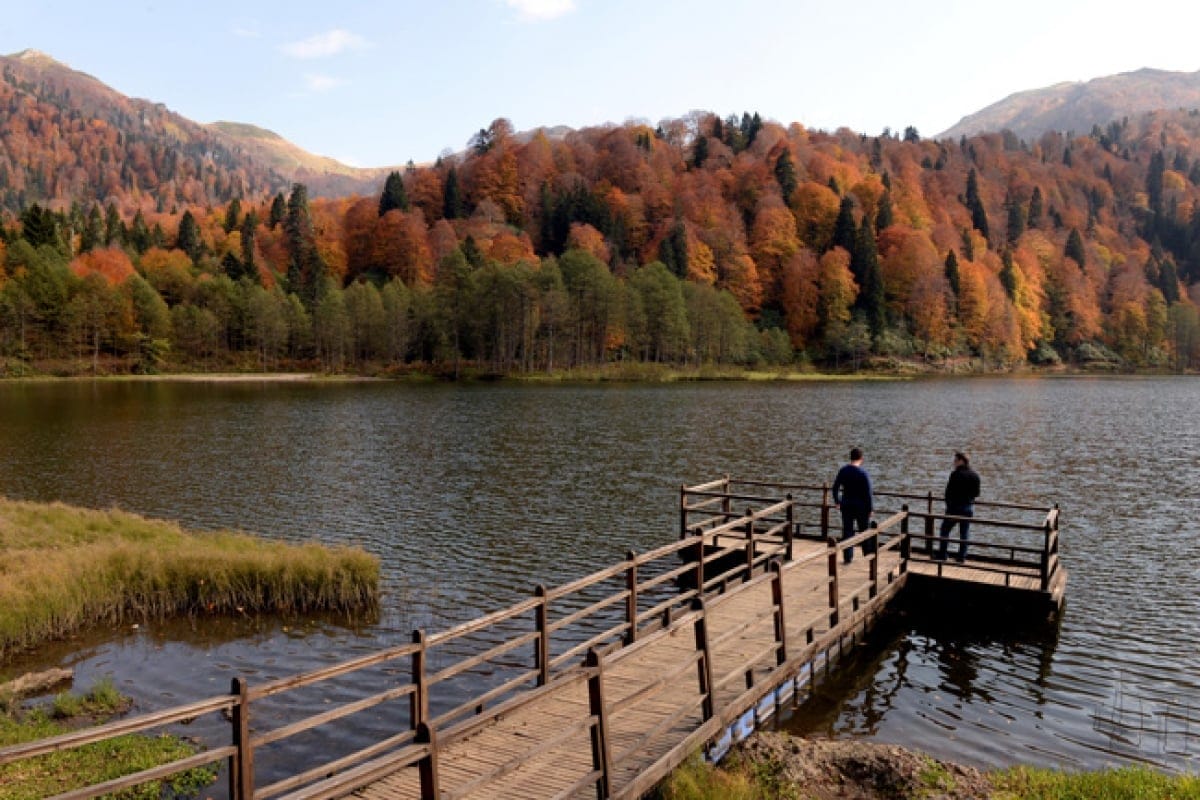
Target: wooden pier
{"points": [[600, 687]]}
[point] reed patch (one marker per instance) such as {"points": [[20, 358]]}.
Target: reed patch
{"points": [[64, 569]]}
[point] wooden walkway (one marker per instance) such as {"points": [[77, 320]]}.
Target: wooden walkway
{"points": [[633, 667]]}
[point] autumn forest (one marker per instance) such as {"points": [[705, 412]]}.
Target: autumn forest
{"points": [[701, 241]]}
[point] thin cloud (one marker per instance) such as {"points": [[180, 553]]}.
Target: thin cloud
{"points": [[246, 33], [321, 83], [323, 45], [537, 10]]}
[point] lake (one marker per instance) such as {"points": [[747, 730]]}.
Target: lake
{"points": [[471, 494]]}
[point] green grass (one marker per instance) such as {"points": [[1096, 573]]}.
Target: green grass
{"points": [[737, 780], [63, 569], [91, 764], [1127, 783]]}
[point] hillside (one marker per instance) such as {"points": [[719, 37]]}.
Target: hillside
{"points": [[1077, 107], [324, 176], [66, 136], [701, 241]]}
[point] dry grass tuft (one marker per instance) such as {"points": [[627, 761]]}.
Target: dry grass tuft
{"points": [[63, 569]]}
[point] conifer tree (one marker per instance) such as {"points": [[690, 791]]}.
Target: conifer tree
{"points": [[884, 216], [700, 152], [233, 213], [845, 230], [278, 211], [1035, 209], [453, 201], [1074, 248], [864, 263], [394, 196], [952, 276], [93, 231], [188, 239], [1008, 274], [785, 174], [114, 228], [979, 218], [1016, 218]]}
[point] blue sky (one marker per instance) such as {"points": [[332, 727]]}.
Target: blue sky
{"points": [[377, 83]]}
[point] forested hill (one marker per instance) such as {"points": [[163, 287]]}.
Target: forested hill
{"points": [[705, 239], [66, 136]]}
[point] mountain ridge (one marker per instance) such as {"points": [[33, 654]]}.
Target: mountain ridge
{"points": [[1079, 105]]}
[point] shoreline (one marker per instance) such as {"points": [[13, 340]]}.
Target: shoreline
{"points": [[615, 373]]}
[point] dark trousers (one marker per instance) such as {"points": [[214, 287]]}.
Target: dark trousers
{"points": [[964, 530], [852, 517]]}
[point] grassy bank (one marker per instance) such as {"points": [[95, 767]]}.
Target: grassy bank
{"points": [[63, 569], [777, 767], [91, 764]]}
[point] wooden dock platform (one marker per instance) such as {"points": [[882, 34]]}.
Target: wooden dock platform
{"points": [[599, 688]]}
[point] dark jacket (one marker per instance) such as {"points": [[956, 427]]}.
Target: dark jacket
{"points": [[962, 488], [852, 489]]}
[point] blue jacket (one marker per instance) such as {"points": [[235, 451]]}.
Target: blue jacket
{"points": [[852, 489]]}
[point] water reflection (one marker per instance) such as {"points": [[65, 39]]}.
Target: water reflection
{"points": [[472, 494]]}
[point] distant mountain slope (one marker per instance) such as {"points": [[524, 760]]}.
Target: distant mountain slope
{"points": [[65, 136], [1079, 106], [324, 176]]}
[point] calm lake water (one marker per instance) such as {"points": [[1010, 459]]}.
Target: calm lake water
{"points": [[471, 494]]}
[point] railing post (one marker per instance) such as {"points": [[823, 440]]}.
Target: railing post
{"points": [[749, 544], [601, 751], [790, 533], [1047, 530], [726, 503], [542, 645], [419, 699], [929, 524], [700, 564], [683, 513], [780, 622], [631, 598], [241, 772], [704, 665], [905, 541], [825, 510], [873, 559], [427, 767], [833, 582]]}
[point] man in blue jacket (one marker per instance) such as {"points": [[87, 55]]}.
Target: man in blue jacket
{"points": [[961, 490], [852, 496]]}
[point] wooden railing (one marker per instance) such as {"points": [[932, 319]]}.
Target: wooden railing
{"points": [[468, 676]]}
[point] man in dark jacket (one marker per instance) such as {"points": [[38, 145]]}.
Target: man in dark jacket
{"points": [[852, 495], [961, 491]]}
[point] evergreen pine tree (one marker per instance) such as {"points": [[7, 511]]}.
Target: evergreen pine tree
{"points": [[188, 238], [394, 196], [700, 151], [785, 174], [979, 218], [1074, 248], [38, 226], [845, 230], [864, 263], [114, 228], [278, 211], [952, 276], [884, 216], [1154, 181], [1008, 274], [1016, 218], [233, 213], [1035, 209], [92, 235], [453, 202], [139, 234], [248, 229]]}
